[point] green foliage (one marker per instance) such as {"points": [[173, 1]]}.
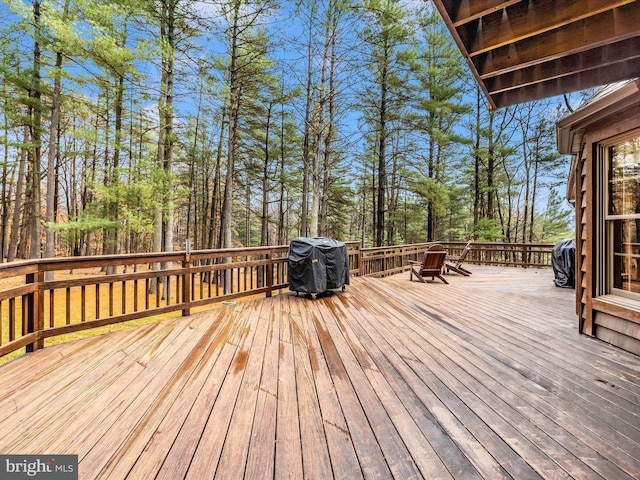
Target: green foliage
{"points": [[411, 153], [432, 191], [457, 220], [340, 204], [556, 222], [487, 230]]}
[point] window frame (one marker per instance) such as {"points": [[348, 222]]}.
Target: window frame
{"points": [[607, 223]]}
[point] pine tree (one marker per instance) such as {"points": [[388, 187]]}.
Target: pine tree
{"points": [[439, 97], [387, 36]]}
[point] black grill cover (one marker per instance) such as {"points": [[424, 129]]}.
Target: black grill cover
{"points": [[564, 263], [317, 265]]}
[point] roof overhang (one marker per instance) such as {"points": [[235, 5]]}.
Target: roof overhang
{"points": [[570, 130], [524, 50]]}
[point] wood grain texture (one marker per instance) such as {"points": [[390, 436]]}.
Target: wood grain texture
{"points": [[521, 51], [483, 378]]}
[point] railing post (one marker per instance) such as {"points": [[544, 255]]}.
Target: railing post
{"points": [[187, 294], [384, 262], [269, 273], [35, 308], [525, 253]]}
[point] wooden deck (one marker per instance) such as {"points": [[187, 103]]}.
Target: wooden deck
{"points": [[483, 378]]}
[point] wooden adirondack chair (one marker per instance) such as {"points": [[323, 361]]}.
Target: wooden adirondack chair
{"points": [[454, 263], [431, 266]]}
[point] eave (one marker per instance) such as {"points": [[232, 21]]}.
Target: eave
{"points": [[524, 50], [571, 128]]}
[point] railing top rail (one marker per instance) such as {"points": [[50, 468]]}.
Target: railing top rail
{"points": [[14, 269], [61, 263], [461, 243]]}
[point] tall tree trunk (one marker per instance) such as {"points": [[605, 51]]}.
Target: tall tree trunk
{"points": [[534, 188], [306, 138], [491, 161], [234, 109], [158, 206], [49, 251], [264, 220], [393, 190], [329, 136], [49, 248], [247, 210], [382, 160], [90, 164], [169, 137], [114, 181], [163, 215], [6, 191], [431, 175], [18, 201], [508, 222], [216, 241], [191, 203], [281, 201], [319, 125], [35, 125], [363, 213], [234, 93], [477, 160], [527, 183]]}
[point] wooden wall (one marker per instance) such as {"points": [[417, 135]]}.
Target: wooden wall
{"points": [[605, 317], [583, 242]]}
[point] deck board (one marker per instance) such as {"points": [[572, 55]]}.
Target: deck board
{"points": [[486, 377], [261, 454]]}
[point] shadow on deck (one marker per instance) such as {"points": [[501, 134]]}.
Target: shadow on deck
{"points": [[484, 378]]}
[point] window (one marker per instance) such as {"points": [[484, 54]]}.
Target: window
{"points": [[623, 217]]}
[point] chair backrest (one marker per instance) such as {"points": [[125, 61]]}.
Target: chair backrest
{"points": [[434, 258], [463, 255]]}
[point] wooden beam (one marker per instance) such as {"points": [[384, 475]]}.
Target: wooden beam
{"points": [[523, 20], [465, 11], [607, 56], [525, 50], [608, 27], [572, 83]]}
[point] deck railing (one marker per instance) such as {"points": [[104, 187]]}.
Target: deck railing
{"points": [[45, 298], [381, 261]]}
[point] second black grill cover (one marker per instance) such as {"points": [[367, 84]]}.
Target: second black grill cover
{"points": [[317, 264], [564, 263]]}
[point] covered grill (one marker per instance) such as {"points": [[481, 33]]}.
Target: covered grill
{"points": [[564, 263], [317, 264]]}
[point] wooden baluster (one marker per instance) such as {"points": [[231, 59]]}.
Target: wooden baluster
{"points": [[98, 300], [269, 273], [187, 295]]}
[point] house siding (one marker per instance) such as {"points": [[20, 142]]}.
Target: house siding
{"points": [[618, 324]]}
